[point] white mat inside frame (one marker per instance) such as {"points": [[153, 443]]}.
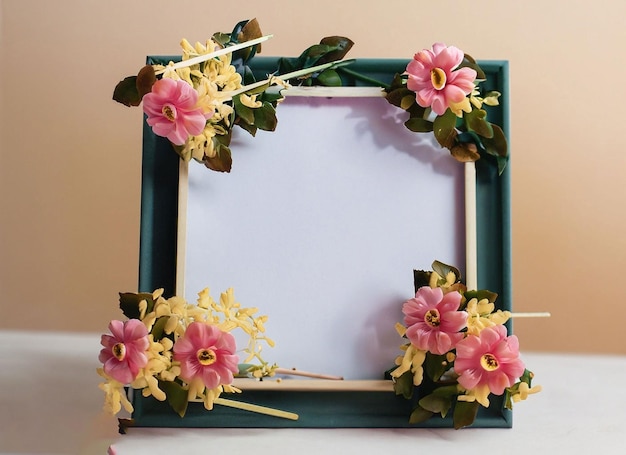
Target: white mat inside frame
{"points": [[320, 225]]}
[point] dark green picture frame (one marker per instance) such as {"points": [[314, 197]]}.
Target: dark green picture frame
{"points": [[157, 269]]}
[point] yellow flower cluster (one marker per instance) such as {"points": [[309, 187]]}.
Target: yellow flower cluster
{"points": [[228, 315], [412, 360], [481, 315], [474, 98], [171, 317], [215, 80]]}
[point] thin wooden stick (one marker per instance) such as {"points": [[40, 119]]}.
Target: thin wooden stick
{"points": [[332, 92], [217, 53], [471, 248], [296, 372], [181, 238], [256, 408], [302, 72], [318, 385], [541, 314]]}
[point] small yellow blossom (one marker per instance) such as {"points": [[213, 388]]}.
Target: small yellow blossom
{"points": [[412, 360], [114, 394], [479, 394], [460, 107], [523, 391], [250, 101], [490, 100], [437, 281], [481, 315]]}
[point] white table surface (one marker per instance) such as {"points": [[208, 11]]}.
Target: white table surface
{"points": [[50, 404]]}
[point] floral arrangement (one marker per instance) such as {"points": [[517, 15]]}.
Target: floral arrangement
{"points": [[458, 351], [440, 91], [176, 351], [195, 103]]}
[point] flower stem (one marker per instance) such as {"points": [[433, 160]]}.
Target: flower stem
{"points": [[362, 77]]}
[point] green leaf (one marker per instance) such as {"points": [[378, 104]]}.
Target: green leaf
{"points": [[158, 329], [176, 396], [465, 152], [249, 128], [145, 80], [421, 278], [407, 101], [464, 414], [340, 46], [265, 117], [447, 391], [329, 78], [221, 38], [502, 162], [443, 269], [404, 385], [496, 145], [397, 91], [244, 368], [129, 303], [250, 30], [244, 112], [436, 404], [222, 161], [126, 92], [419, 125], [435, 365], [476, 121], [468, 61], [420, 415], [130, 90], [444, 129]]}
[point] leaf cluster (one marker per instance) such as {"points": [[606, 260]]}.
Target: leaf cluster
{"points": [[468, 137], [330, 49]]}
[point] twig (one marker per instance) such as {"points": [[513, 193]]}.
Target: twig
{"points": [[256, 408], [296, 372]]}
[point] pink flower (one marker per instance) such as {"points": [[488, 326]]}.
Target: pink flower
{"points": [[173, 111], [490, 358], [206, 353], [124, 353], [432, 77], [433, 320]]}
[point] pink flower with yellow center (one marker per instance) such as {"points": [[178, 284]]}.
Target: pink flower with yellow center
{"points": [[432, 76], [206, 353], [124, 352], [433, 321], [488, 359], [173, 111]]}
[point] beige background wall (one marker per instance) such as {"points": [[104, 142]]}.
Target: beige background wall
{"points": [[70, 157]]}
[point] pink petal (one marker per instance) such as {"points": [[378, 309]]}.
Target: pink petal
{"points": [[463, 78], [498, 381], [470, 377], [134, 329], [117, 329], [439, 106], [210, 378], [452, 94], [448, 58], [450, 302]]}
